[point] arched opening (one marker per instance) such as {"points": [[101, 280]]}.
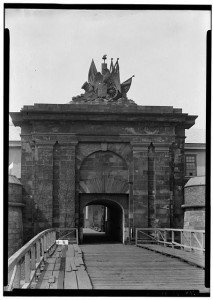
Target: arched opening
{"points": [[103, 222], [103, 172], [103, 182]]}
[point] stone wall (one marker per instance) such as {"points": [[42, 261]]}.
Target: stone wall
{"points": [[194, 211], [104, 172], [64, 185], [194, 206], [140, 186], [15, 224], [163, 192], [135, 153]]}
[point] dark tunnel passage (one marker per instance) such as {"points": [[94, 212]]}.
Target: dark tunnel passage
{"points": [[103, 222]]}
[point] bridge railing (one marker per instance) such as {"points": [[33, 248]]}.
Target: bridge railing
{"points": [[185, 239], [68, 234], [25, 265]]}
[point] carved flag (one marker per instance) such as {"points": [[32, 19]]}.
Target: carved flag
{"points": [[111, 65], [106, 75], [92, 73], [115, 76], [125, 86], [98, 78]]}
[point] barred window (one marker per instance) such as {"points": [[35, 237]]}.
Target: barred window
{"points": [[190, 165]]}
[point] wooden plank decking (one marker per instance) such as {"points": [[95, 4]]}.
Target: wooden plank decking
{"points": [[117, 266], [197, 259], [65, 269], [120, 267]]}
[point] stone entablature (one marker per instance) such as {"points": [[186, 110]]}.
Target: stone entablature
{"points": [[58, 139]]}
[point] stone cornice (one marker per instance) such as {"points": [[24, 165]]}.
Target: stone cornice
{"points": [[68, 143], [144, 146], [99, 113], [45, 143], [193, 206], [16, 204]]}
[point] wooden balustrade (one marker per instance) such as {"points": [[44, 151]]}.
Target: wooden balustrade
{"points": [[185, 239], [26, 264]]}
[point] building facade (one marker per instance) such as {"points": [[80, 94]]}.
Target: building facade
{"points": [[128, 159], [102, 149]]}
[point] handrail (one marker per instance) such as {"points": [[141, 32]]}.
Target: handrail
{"points": [[25, 264], [172, 229], [67, 228], [18, 255], [185, 238]]}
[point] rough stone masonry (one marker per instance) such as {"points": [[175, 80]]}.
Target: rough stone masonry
{"points": [[102, 150]]}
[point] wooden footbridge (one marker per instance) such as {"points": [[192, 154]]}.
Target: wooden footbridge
{"points": [[155, 262]]}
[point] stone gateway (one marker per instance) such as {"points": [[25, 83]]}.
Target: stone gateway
{"points": [[104, 151]]}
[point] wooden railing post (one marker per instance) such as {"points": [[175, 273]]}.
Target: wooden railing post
{"points": [[12, 280], [17, 278], [181, 239], [27, 267], [33, 261], [45, 247], [51, 238], [38, 252], [172, 239], [54, 236], [47, 241], [50, 245], [165, 238], [42, 246], [77, 237], [190, 240], [203, 241], [136, 237], [158, 236]]}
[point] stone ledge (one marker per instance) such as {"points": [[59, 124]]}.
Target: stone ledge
{"points": [[16, 204], [196, 181], [192, 205], [97, 107]]}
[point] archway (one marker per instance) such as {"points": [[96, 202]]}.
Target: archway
{"points": [[103, 180], [103, 172], [108, 224]]}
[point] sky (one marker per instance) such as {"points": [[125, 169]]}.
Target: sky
{"points": [[51, 52]]}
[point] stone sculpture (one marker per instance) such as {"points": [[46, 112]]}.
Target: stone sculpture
{"points": [[105, 86]]}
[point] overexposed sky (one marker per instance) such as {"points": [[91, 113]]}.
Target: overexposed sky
{"points": [[51, 51]]}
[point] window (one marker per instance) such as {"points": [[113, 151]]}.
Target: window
{"points": [[190, 165]]}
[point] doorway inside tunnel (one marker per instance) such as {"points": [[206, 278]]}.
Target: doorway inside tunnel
{"points": [[103, 222]]}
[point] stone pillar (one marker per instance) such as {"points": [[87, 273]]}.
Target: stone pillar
{"points": [[15, 224], [162, 178], [152, 221], [140, 185], [178, 178], [128, 234], [43, 186], [77, 206], [27, 179], [64, 185]]}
